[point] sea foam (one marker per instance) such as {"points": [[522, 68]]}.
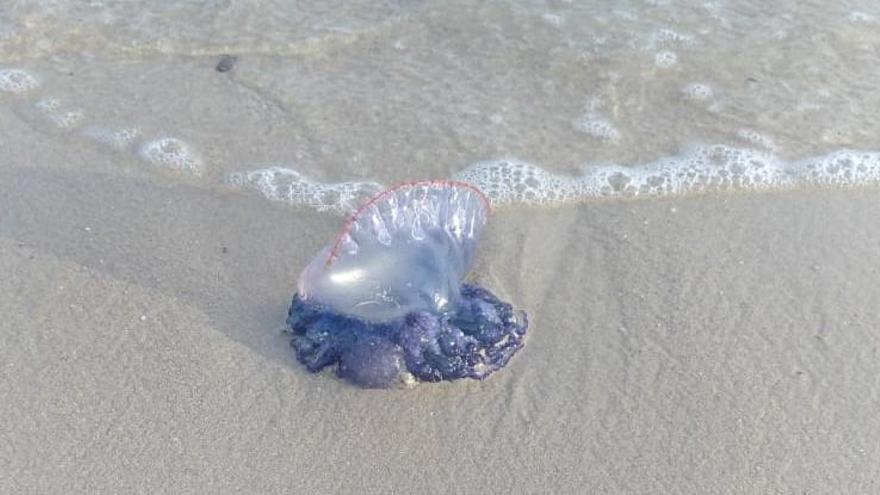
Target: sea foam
{"points": [[665, 59], [119, 139], [700, 169], [17, 80], [172, 153], [289, 186], [511, 181], [58, 114]]}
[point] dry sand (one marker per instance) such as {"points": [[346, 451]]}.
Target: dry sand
{"points": [[719, 344]]}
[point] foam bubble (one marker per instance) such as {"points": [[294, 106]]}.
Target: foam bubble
{"points": [[627, 15], [756, 138], [668, 37], [598, 127], [840, 168], [68, 118], [55, 112], [17, 81], [510, 180], [665, 59], [172, 153], [553, 19], [697, 92], [47, 105], [289, 186], [701, 169], [857, 16], [118, 139]]}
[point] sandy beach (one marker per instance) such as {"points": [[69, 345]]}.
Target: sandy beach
{"points": [[710, 345], [710, 342]]}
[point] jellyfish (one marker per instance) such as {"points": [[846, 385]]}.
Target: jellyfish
{"points": [[385, 303]]}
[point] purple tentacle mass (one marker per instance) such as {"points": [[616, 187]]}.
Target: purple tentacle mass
{"points": [[478, 338]]}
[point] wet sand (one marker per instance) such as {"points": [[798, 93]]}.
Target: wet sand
{"points": [[712, 344]]}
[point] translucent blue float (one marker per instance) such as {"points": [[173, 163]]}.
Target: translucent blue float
{"points": [[385, 303]]}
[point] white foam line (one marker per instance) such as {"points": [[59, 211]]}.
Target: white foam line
{"points": [[700, 169], [510, 181], [280, 183]]}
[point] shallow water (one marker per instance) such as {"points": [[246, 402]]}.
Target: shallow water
{"points": [[388, 91]]}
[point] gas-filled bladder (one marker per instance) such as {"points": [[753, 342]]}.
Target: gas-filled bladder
{"points": [[385, 304]]}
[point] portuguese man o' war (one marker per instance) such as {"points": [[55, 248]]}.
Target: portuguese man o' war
{"points": [[385, 303]]}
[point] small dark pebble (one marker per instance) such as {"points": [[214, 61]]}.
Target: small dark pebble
{"points": [[224, 250], [226, 63]]}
